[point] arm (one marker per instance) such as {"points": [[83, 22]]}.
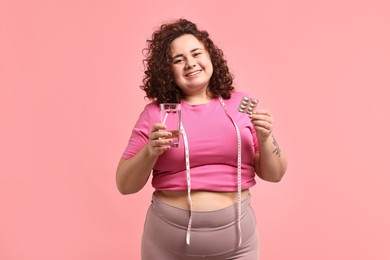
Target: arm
{"points": [[133, 173], [270, 162]]}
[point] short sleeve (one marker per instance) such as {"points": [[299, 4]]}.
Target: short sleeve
{"points": [[255, 142], [234, 103], [140, 134]]}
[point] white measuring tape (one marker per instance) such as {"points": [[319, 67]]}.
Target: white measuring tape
{"points": [[188, 174]]}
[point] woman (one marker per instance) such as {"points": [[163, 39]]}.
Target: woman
{"points": [[201, 205]]}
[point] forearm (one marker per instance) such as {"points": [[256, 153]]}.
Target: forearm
{"points": [[132, 174], [271, 162]]}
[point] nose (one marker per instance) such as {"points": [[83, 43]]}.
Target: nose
{"points": [[190, 66], [190, 63]]}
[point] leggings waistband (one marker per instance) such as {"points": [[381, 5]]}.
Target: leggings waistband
{"points": [[201, 219]]}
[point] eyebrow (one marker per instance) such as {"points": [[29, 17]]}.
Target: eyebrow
{"points": [[181, 55]]}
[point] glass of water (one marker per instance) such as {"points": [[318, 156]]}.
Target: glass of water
{"points": [[170, 116]]}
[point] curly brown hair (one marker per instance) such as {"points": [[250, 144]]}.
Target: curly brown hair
{"points": [[159, 82]]}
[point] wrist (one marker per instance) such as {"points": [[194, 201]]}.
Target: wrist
{"points": [[262, 140], [150, 153], [270, 145]]}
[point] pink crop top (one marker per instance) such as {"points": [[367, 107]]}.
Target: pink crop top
{"points": [[212, 143]]}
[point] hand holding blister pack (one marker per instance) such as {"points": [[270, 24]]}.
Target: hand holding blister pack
{"points": [[247, 105]]}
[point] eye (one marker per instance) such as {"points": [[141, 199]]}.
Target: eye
{"points": [[196, 54], [177, 61]]}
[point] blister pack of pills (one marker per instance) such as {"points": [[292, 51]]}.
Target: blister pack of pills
{"points": [[247, 105]]}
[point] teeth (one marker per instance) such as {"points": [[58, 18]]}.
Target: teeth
{"points": [[193, 73]]}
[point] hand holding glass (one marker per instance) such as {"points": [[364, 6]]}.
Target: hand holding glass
{"points": [[170, 116]]}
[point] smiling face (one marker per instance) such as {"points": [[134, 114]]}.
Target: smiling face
{"points": [[191, 65]]}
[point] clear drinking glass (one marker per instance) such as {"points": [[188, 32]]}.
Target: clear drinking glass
{"points": [[170, 116]]}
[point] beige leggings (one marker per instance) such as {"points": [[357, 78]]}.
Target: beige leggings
{"points": [[214, 234]]}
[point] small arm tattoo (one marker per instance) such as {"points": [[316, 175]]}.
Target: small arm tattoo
{"points": [[277, 150]]}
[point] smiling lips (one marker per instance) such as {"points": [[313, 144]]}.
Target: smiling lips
{"points": [[193, 73]]}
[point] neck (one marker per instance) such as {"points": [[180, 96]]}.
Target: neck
{"points": [[202, 98]]}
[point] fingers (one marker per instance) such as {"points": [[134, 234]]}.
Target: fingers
{"points": [[263, 113], [159, 134], [159, 140], [262, 118], [263, 126], [263, 122], [157, 127]]}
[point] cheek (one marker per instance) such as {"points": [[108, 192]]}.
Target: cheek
{"points": [[209, 67], [176, 73], [207, 63]]}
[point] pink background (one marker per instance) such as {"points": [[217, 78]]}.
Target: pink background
{"points": [[69, 96]]}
